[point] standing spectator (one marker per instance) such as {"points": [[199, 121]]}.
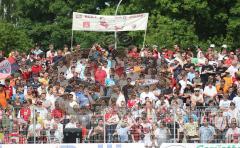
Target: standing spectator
{"points": [[191, 130], [207, 133], [137, 131], [220, 123], [236, 100], [232, 135]]}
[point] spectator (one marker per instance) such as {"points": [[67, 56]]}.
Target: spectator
{"points": [[207, 133]]}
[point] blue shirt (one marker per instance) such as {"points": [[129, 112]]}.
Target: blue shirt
{"points": [[82, 99], [206, 133], [109, 82], [21, 97], [190, 76]]}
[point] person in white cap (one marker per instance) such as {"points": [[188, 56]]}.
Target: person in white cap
{"points": [[223, 52], [212, 46], [224, 46]]}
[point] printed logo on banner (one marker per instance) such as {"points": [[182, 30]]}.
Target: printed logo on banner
{"points": [[86, 24], [78, 16]]}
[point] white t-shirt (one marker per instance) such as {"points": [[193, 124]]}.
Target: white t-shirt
{"points": [[38, 127], [158, 103], [232, 70], [43, 112], [62, 69], [120, 98], [150, 95], [210, 91], [71, 125], [52, 99], [107, 71], [236, 101], [183, 85], [224, 103]]}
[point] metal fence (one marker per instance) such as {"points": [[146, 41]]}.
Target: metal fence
{"points": [[203, 124]]}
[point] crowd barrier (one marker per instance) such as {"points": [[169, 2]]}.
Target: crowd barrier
{"points": [[15, 131]]}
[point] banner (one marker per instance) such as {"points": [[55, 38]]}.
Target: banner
{"points": [[5, 69], [89, 22], [200, 145], [80, 145]]}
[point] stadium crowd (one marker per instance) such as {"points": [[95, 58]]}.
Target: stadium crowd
{"points": [[150, 95]]}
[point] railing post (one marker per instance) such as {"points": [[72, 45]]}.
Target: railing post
{"points": [[34, 125], [104, 128], [174, 125]]}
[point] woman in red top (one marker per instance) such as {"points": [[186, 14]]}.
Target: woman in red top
{"points": [[133, 53], [100, 75], [36, 68]]}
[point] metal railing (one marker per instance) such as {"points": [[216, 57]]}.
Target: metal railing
{"points": [[202, 124]]}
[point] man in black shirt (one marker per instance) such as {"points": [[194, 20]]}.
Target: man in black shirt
{"points": [[188, 64], [207, 70], [221, 68], [127, 89]]}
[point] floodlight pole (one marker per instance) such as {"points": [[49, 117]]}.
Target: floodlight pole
{"points": [[115, 34]]}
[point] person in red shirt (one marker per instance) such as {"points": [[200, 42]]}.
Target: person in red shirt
{"points": [[25, 112], [133, 100], [36, 68], [100, 75], [133, 53], [57, 112], [26, 73]]}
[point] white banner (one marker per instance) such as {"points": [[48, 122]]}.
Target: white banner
{"points": [[89, 22], [200, 145], [80, 145]]}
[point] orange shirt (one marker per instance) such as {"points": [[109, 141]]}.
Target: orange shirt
{"points": [[225, 88], [228, 81], [3, 99]]}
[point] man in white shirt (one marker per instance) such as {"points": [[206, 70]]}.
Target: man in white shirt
{"points": [[236, 100], [233, 68], [147, 94], [70, 72], [72, 123], [224, 103], [210, 91]]}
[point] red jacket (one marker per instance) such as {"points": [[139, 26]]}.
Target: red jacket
{"points": [[26, 75], [36, 69]]}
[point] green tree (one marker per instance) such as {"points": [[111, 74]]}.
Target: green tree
{"points": [[13, 38]]}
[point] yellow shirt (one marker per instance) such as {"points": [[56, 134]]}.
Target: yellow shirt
{"points": [[136, 69], [43, 81], [191, 129]]}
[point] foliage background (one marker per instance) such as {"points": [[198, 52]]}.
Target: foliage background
{"points": [[189, 23]]}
